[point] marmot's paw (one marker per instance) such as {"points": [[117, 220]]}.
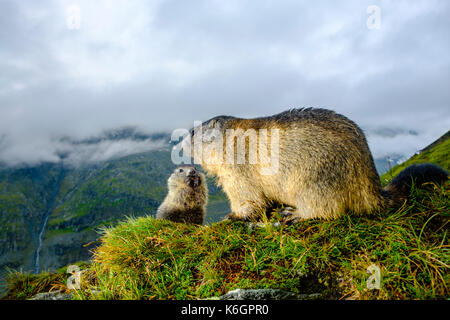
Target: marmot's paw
{"points": [[288, 217], [292, 221], [287, 212], [234, 217]]}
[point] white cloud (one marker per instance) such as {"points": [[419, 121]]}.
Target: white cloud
{"points": [[161, 65], [30, 150]]}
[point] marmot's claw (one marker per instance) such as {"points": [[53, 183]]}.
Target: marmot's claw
{"points": [[291, 222], [287, 212], [287, 216], [234, 217], [230, 216]]}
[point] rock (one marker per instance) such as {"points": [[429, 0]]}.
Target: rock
{"points": [[55, 295], [258, 225], [266, 294]]}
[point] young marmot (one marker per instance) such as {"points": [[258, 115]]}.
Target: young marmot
{"points": [[187, 197], [323, 165]]}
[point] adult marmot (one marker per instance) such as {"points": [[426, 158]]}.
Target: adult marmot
{"points": [[187, 196], [322, 166]]}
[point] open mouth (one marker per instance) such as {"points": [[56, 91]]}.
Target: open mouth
{"points": [[193, 181]]}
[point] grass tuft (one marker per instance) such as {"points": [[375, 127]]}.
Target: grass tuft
{"points": [[144, 258]]}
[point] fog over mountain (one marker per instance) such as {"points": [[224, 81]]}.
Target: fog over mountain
{"points": [[69, 75], [113, 144], [107, 145]]}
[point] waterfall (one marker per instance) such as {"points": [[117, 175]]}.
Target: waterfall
{"points": [[50, 207]]}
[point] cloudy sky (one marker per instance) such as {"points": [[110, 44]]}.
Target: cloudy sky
{"points": [[76, 68]]}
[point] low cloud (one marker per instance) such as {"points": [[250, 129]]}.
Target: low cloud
{"points": [[108, 145], [161, 65]]}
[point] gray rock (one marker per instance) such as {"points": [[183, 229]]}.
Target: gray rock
{"points": [[55, 295], [266, 294], [258, 225]]}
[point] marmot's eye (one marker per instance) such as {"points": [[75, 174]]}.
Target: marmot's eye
{"points": [[181, 170]]}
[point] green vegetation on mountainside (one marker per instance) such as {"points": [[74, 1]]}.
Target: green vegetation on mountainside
{"points": [[437, 153]]}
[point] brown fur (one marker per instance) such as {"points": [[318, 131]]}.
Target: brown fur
{"points": [[187, 197], [325, 167]]}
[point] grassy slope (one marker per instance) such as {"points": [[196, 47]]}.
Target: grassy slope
{"points": [[438, 154], [144, 258]]}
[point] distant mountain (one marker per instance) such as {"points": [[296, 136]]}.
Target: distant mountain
{"points": [[385, 164], [124, 133], [389, 136], [389, 132]]}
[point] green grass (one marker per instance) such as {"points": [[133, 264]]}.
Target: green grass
{"points": [[58, 232], [22, 286], [144, 258]]}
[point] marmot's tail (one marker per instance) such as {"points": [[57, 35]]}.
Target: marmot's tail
{"points": [[416, 174]]}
